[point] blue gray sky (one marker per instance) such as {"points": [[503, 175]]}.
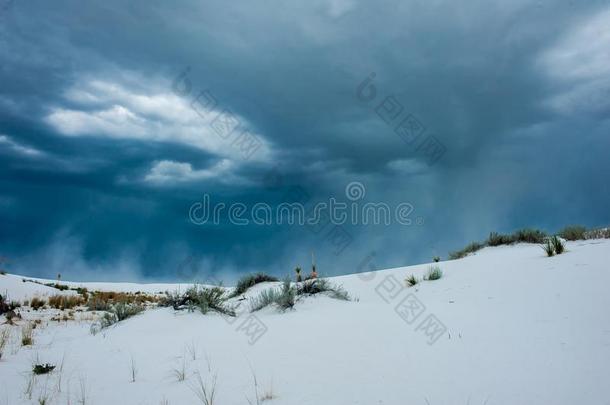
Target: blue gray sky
{"points": [[102, 153]]}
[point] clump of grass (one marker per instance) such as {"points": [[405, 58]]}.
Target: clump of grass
{"points": [[320, 285], [204, 390], [27, 335], [5, 335], [206, 299], [434, 273], [497, 239], [60, 287], [105, 300], [250, 280], [411, 280], [37, 303], [65, 301], [558, 245], [471, 248], [42, 368], [115, 314], [529, 236], [548, 248], [601, 233], [284, 297], [573, 232]]}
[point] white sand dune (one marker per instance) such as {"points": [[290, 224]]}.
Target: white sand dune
{"points": [[505, 326]]}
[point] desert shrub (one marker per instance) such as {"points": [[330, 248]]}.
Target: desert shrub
{"points": [[27, 335], [320, 285], [4, 306], [60, 287], [601, 233], [436, 259], [573, 232], [206, 299], [123, 311], [411, 280], [105, 300], [496, 239], [37, 303], [434, 273], [5, 335], [65, 301], [558, 245], [2, 273], [529, 236], [548, 248], [250, 280], [42, 368], [117, 313], [283, 297], [471, 248]]}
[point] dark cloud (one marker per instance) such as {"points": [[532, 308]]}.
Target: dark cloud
{"points": [[88, 87]]}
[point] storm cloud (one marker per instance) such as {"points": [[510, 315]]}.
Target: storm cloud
{"points": [[104, 146]]}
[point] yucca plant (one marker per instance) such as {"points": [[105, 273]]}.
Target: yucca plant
{"points": [[558, 245], [434, 273], [411, 280], [548, 248]]}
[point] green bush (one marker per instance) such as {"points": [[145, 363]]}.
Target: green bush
{"points": [[284, 297], [574, 232], [548, 248], [558, 245], [434, 273], [42, 369], [496, 239], [320, 285], [529, 236], [250, 280], [206, 299], [471, 248], [411, 280]]}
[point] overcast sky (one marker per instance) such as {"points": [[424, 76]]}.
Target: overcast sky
{"points": [[102, 152]]}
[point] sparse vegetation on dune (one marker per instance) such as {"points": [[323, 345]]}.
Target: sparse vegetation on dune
{"points": [[205, 299], [471, 248], [558, 245], [411, 280], [320, 285], [250, 280], [283, 297], [116, 313], [27, 335], [573, 232], [548, 248], [529, 235], [434, 273], [497, 239], [66, 301], [104, 300], [36, 303]]}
